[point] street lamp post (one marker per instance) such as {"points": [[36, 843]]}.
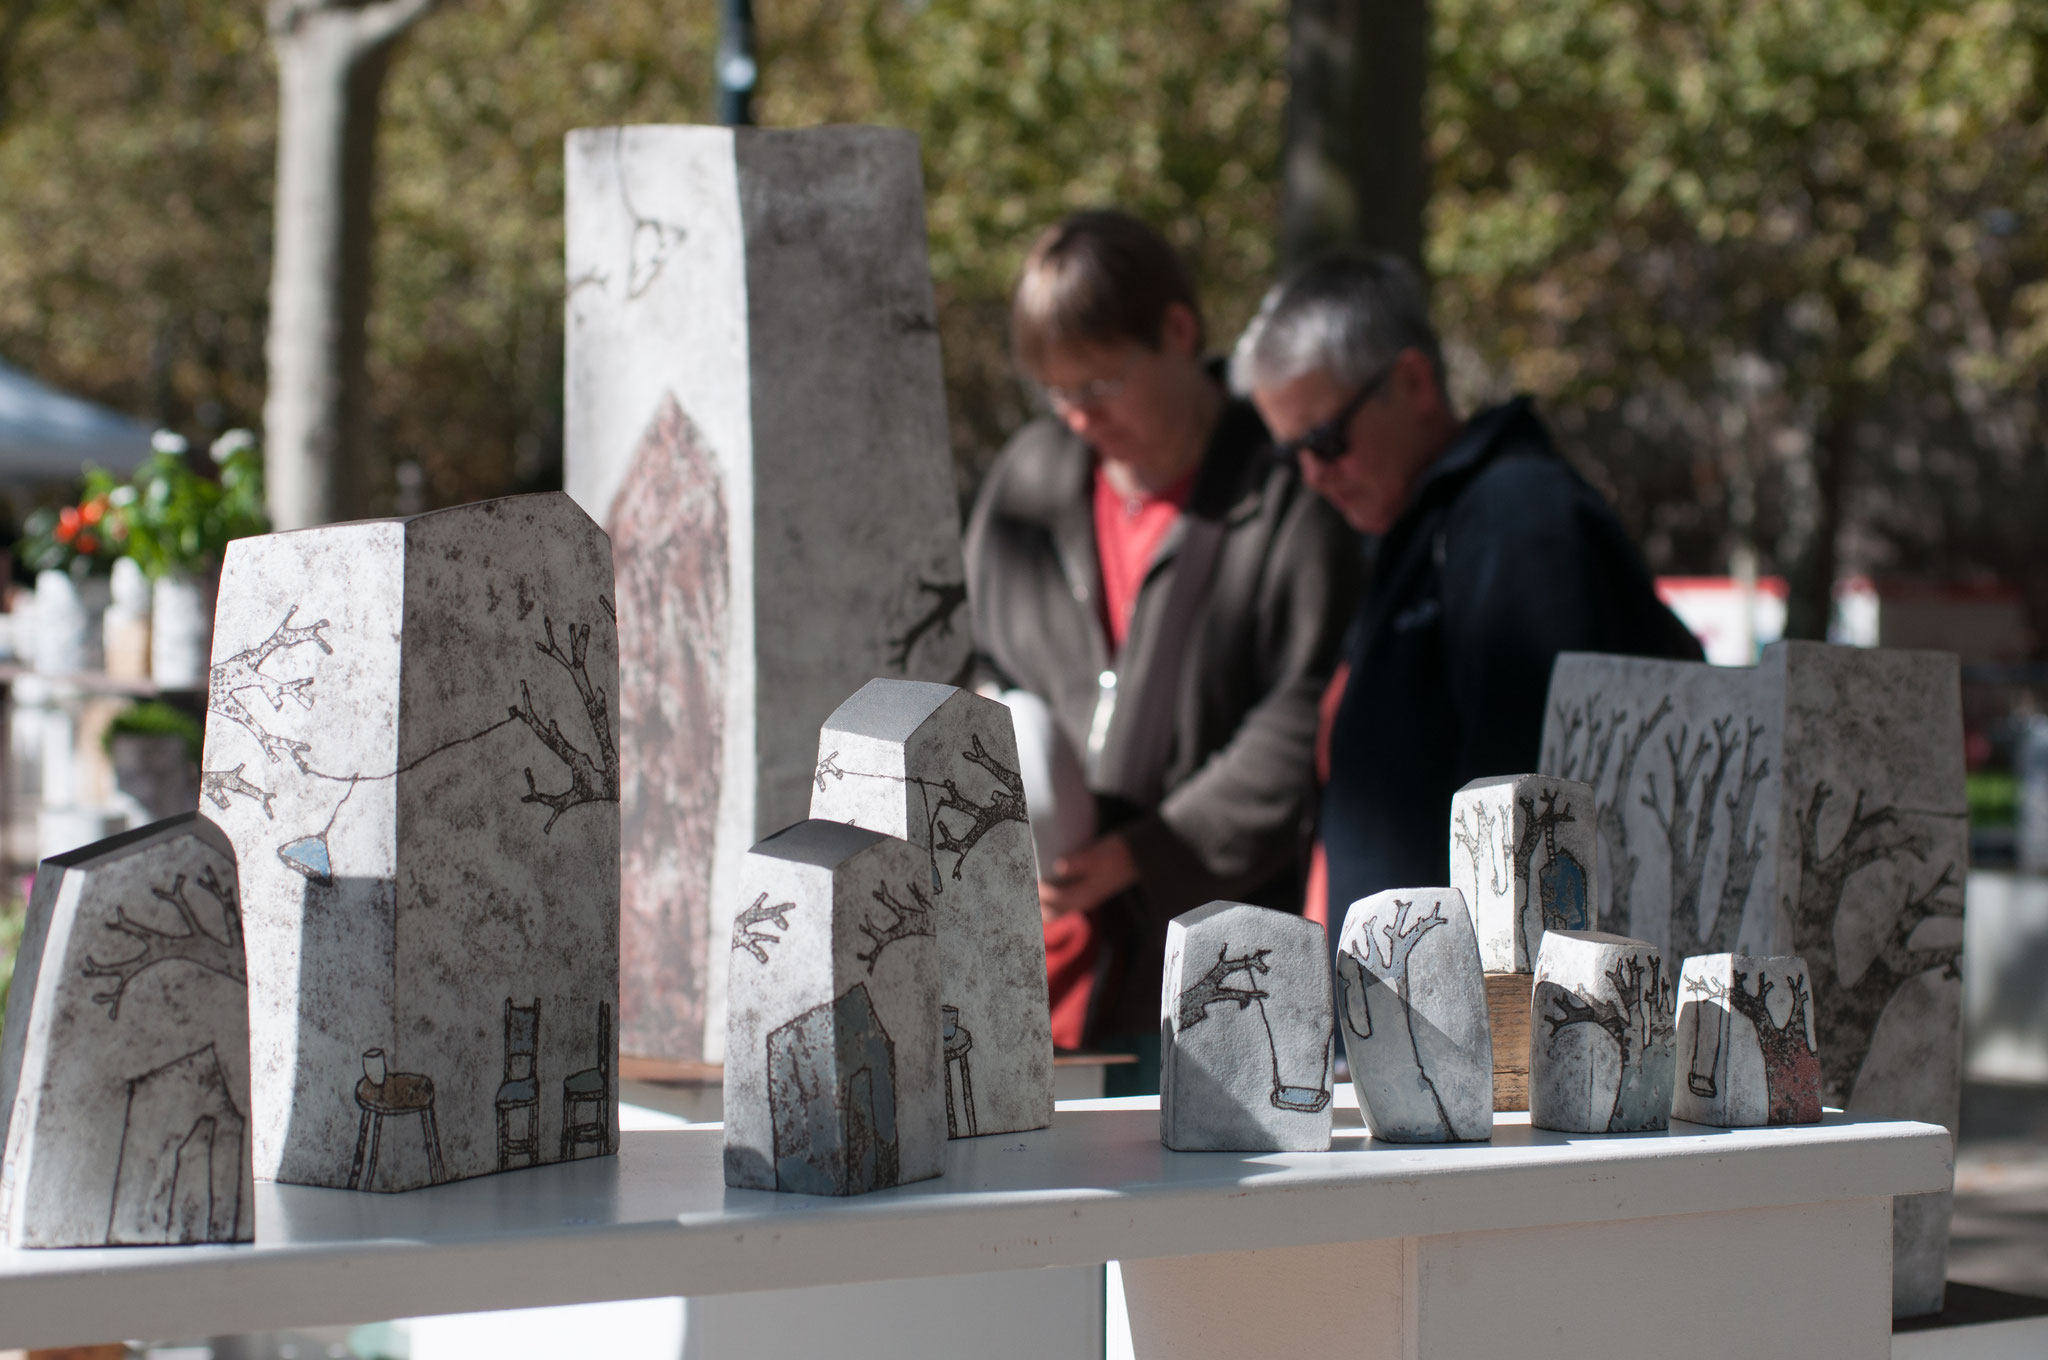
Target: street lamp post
{"points": [[736, 68]]}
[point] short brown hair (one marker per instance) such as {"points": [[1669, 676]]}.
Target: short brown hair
{"points": [[1097, 278]]}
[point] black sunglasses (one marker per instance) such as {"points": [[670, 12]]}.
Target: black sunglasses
{"points": [[1331, 440]]}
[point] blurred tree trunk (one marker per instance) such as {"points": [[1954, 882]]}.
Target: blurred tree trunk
{"points": [[1355, 169], [1810, 589], [331, 59]]}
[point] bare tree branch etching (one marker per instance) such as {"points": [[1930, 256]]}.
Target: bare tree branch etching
{"points": [[590, 780], [195, 945], [1618, 880], [1480, 844], [228, 681], [1213, 989], [219, 784], [905, 922], [1639, 1020], [746, 932], [1689, 824], [1847, 1010], [946, 599], [1005, 804], [1397, 942], [1791, 1061], [1746, 843]]}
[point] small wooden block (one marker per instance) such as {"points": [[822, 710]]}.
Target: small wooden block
{"points": [[1507, 1008]]}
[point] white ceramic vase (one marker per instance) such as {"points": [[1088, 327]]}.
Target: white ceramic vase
{"points": [[181, 630], [68, 612]]}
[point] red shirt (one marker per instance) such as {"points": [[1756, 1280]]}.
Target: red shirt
{"points": [[1128, 530]]}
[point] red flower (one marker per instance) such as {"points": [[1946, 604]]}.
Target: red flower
{"points": [[88, 544], [93, 511]]}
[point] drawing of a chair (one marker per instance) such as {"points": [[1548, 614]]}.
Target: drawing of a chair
{"points": [[520, 1093], [381, 1094], [590, 1093]]}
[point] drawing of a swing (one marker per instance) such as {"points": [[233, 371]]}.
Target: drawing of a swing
{"points": [[1210, 990], [1702, 1084]]}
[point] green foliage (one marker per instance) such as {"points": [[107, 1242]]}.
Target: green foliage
{"points": [[170, 519], [154, 718], [1714, 232], [81, 539], [1994, 798], [13, 916]]}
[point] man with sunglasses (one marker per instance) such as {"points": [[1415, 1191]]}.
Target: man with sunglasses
{"points": [[1143, 572], [1491, 556]]}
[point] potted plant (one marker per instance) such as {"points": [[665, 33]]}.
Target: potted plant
{"points": [[176, 522], [69, 548], [155, 752]]}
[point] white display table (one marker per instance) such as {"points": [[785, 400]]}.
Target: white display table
{"points": [[1699, 1242]]}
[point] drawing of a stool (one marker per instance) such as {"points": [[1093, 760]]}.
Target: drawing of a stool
{"points": [[382, 1093]]}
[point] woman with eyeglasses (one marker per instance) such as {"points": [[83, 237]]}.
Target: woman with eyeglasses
{"points": [[1492, 556], [1162, 602]]}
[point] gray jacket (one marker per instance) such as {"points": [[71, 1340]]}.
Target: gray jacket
{"points": [[1238, 776]]}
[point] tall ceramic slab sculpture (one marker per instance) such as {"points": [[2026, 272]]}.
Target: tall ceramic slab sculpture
{"points": [[1747, 1052], [124, 1069], [1601, 1035], [1811, 805], [409, 738], [755, 411], [1411, 1005], [834, 1069], [1245, 1023], [1522, 853], [937, 766]]}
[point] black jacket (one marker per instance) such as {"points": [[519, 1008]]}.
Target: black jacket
{"points": [[1503, 558]]}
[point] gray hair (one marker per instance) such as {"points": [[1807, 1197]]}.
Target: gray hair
{"points": [[1347, 315]]}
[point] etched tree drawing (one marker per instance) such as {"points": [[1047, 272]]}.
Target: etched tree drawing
{"points": [[1395, 943], [1846, 1010], [1791, 1058], [946, 599], [1639, 1019], [1560, 890], [590, 780], [217, 785], [1213, 989], [746, 932], [1605, 741], [228, 681], [1746, 842], [195, 944], [1481, 844], [905, 921], [1688, 824], [1005, 803]]}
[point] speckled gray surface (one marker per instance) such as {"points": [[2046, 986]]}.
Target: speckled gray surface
{"points": [[1523, 855], [834, 1072], [124, 1072], [1747, 1052], [755, 408], [411, 742], [1812, 805], [1245, 1032], [1411, 1005], [937, 766], [1602, 1041]]}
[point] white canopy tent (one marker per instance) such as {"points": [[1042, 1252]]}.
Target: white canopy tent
{"points": [[48, 436]]}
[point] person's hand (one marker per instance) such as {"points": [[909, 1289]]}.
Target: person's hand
{"points": [[1087, 878]]}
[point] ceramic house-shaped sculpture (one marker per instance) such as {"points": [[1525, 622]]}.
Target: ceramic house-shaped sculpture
{"points": [[1747, 1052], [1245, 1032], [410, 740], [835, 1077], [755, 411], [937, 766], [1522, 853], [1602, 1042], [124, 1069], [1411, 1005]]}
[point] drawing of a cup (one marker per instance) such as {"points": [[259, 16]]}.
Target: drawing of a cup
{"points": [[373, 1065]]}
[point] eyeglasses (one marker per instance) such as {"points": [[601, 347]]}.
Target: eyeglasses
{"points": [[1331, 440], [1086, 396]]}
